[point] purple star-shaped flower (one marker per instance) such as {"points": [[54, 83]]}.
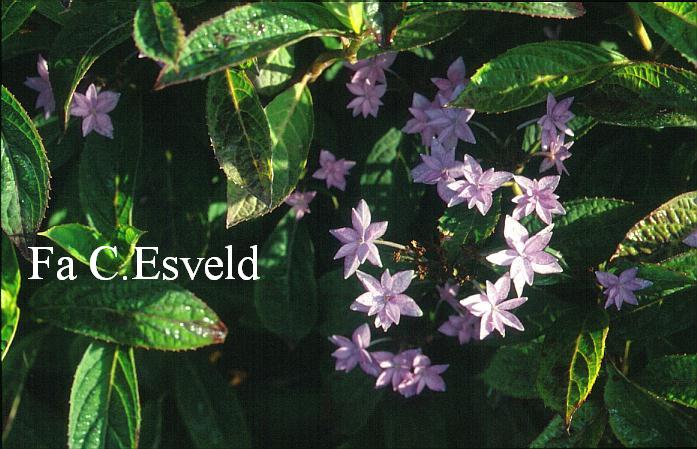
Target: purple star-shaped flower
{"points": [[691, 239], [353, 352], [619, 289], [395, 368], [372, 69], [440, 167], [477, 187], [526, 255], [42, 85], [464, 327], [385, 298], [300, 202], [424, 375], [557, 115], [456, 78], [557, 152], [451, 123], [419, 123], [538, 197], [358, 242], [94, 107], [448, 293], [493, 308], [367, 101], [332, 171]]}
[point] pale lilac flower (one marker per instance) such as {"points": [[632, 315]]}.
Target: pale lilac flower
{"points": [[493, 308], [93, 107], [465, 328], [333, 171], [353, 352], [448, 293], [456, 78], [619, 289], [395, 368], [424, 375], [372, 69], [557, 115], [477, 187], [385, 298], [526, 255], [367, 101], [42, 85], [451, 123], [300, 202], [420, 121], [691, 239], [440, 167], [358, 242], [556, 154], [538, 197]]}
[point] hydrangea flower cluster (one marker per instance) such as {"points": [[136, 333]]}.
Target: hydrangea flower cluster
{"points": [[458, 182], [369, 84], [409, 372], [555, 127], [433, 120], [93, 106]]}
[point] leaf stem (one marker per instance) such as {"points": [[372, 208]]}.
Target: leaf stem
{"points": [[391, 244], [625, 358]]}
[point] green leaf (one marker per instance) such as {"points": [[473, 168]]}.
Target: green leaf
{"points": [[158, 32], [14, 13], [640, 419], [25, 175], [386, 183], [661, 232], [149, 314], [348, 13], [552, 10], [513, 370], [672, 377], [151, 424], [353, 399], [84, 38], [274, 71], [14, 374], [11, 279], [245, 32], [656, 316], [665, 281], [240, 133], [644, 94], [81, 241], [285, 297], [465, 226], [415, 28], [571, 361], [676, 22], [291, 119], [104, 401], [586, 429], [335, 303], [109, 169], [524, 75], [209, 407], [685, 263], [590, 230]]}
